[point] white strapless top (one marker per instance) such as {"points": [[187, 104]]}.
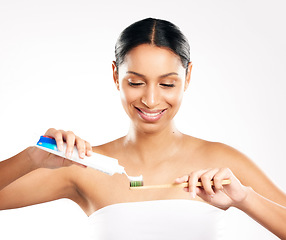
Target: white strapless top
{"points": [[157, 220]]}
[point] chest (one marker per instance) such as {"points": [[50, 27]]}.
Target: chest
{"points": [[101, 190]]}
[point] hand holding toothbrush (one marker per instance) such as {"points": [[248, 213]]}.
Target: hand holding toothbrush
{"points": [[218, 195]]}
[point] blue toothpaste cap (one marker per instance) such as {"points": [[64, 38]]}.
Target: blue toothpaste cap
{"points": [[47, 142]]}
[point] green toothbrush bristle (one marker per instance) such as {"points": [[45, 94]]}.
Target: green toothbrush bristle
{"points": [[136, 183]]}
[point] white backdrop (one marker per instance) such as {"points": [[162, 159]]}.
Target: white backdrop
{"points": [[55, 71]]}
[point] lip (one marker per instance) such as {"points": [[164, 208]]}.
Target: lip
{"points": [[150, 115]]}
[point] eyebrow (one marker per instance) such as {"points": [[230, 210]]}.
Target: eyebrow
{"points": [[162, 76]]}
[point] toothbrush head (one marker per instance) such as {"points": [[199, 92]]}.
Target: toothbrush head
{"points": [[136, 184], [136, 181]]}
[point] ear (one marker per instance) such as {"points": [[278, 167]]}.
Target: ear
{"points": [[115, 75], [188, 75]]}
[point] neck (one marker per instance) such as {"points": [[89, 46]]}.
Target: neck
{"points": [[153, 146]]}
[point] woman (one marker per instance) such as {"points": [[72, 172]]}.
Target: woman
{"points": [[152, 70]]}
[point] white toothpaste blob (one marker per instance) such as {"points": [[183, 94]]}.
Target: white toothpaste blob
{"points": [[135, 181]]}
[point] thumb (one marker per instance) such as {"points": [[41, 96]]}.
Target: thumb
{"points": [[182, 179]]}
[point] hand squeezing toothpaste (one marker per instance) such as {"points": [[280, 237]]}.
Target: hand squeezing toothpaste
{"points": [[96, 161]]}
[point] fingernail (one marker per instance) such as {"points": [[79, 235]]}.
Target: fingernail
{"points": [[68, 154], [61, 148], [82, 155], [193, 194], [212, 196], [89, 153]]}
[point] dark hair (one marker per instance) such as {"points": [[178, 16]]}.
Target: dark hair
{"points": [[160, 33]]}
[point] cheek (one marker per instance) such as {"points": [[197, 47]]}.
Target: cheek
{"points": [[129, 95], [175, 97]]}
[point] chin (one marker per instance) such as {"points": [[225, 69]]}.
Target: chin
{"points": [[151, 128]]}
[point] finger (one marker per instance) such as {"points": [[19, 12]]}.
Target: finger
{"points": [[222, 174], [49, 132], [80, 145], [70, 140], [57, 135], [193, 180], [203, 195], [182, 179], [88, 149], [206, 181]]}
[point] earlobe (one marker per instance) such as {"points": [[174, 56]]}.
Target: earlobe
{"points": [[115, 75], [188, 75]]}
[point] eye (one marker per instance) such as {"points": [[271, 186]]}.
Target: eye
{"points": [[134, 84], [167, 85]]}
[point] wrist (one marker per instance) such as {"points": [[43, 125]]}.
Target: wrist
{"points": [[246, 200], [31, 158]]}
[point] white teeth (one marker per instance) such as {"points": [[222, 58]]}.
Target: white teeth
{"points": [[151, 114]]}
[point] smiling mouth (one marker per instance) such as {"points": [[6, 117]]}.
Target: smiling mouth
{"points": [[150, 116]]}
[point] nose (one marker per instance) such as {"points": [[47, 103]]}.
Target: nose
{"points": [[151, 97]]}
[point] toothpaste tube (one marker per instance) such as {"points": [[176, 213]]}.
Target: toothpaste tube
{"points": [[97, 161]]}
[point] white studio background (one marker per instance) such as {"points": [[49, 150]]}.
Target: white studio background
{"points": [[55, 71]]}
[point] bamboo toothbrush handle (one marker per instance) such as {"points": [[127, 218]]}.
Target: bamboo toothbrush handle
{"points": [[171, 185]]}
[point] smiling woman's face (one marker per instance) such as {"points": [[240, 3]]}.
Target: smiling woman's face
{"points": [[151, 81]]}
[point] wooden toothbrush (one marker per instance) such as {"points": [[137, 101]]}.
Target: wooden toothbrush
{"points": [[172, 185]]}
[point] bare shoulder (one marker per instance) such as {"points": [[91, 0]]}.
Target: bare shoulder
{"points": [[216, 152], [224, 156], [110, 148]]}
